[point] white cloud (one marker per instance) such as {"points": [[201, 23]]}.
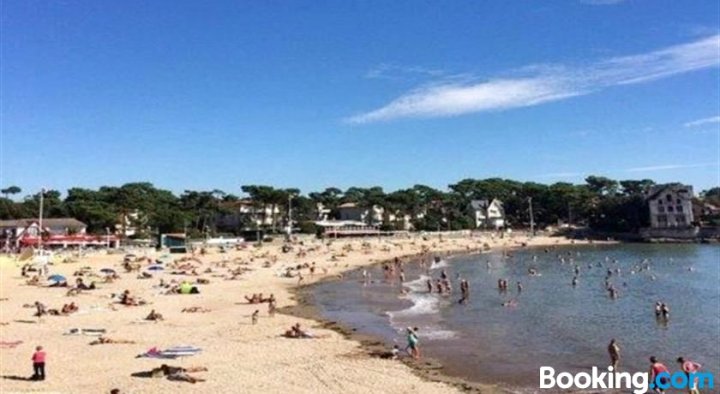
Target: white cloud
{"points": [[704, 121], [542, 84], [670, 167]]}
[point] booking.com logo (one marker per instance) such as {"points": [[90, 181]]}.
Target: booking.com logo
{"points": [[639, 382]]}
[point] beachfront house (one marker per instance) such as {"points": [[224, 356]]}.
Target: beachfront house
{"points": [[131, 224], [242, 214], [487, 214], [671, 206], [705, 213], [322, 213], [56, 232], [351, 211]]}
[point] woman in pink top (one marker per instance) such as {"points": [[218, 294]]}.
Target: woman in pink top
{"points": [[38, 359], [690, 367]]}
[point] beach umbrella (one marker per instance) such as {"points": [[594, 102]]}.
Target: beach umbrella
{"points": [[108, 271], [56, 278], [155, 268]]}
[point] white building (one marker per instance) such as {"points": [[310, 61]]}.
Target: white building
{"points": [[131, 224], [321, 212], [487, 214], [245, 211], [670, 206], [354, 212]]}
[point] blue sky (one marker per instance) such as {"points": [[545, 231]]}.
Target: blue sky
{"points": [[204, 95]]}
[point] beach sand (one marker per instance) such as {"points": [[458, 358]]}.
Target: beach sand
{"points": [[240, 357]]}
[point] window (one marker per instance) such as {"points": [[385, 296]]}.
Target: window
{"points": [[659, 202], [679, 208], [678, 201], [680, 219], [668, 198], [670, 208], [661, 209], [662, 220]]}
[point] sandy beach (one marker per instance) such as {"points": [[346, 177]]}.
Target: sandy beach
{"points": [[239, 356]]}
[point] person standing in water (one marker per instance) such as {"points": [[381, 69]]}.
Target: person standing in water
{"points": [[657, 368], [690, 368], [412, 341], [614, 351]]}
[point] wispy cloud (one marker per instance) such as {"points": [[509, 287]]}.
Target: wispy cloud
{"points": [[535, 85], [394, 71], [664, 167], [704, 121]]}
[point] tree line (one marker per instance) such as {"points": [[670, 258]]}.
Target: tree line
{"points": [[600, 203]]}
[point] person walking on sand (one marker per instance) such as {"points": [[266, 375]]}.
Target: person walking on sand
{"points": [[255, 316], [271, 308], [38, 359], [614, 351]]}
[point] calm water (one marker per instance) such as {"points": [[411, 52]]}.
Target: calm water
{"points": [[553, 323]]}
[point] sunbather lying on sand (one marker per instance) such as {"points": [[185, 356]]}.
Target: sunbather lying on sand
{"points": [[69, 308], [9, 344], [106, 340], [195, 309], [177, 373], [298, 332]]}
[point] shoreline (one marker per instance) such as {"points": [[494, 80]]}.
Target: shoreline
{"points": [[427, 368]]}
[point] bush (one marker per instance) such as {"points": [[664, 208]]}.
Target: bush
{"points": [[308, 228]]}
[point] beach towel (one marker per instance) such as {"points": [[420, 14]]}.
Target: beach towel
{"points": [[9, 345], [171, 353], [93, 332]]}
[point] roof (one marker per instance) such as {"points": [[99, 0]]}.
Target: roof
{"points": [[479, 204], [339, 223], [50, 222], [676, 187], [484, 204], [347, 205]]}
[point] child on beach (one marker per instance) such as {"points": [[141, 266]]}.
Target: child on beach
{"points": [[271, 308], [38, 359]]}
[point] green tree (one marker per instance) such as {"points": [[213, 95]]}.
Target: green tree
{"points": [[12, 190]]}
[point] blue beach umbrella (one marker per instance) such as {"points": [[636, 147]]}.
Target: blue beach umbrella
{"points": [[56, 278], [107, 271], [155, 268]]}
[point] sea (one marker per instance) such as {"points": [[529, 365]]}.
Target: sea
{"points": [[504, 337]]}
